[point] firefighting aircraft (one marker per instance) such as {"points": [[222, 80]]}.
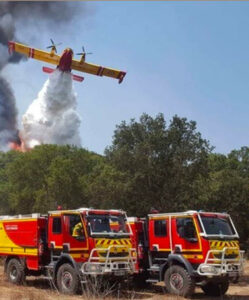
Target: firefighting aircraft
{"points": [[65, 61]]}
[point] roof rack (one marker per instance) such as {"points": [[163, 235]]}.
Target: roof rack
{"points": [[185, 213], [85, 209], [26, 216]]}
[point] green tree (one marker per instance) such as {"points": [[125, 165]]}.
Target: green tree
{"points": [[163, 165], [5, 159], [105, 187], [46, 176], [239, 160], [229, 187]]}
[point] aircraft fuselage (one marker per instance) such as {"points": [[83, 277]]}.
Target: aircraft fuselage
{"points": [[66, 60]]}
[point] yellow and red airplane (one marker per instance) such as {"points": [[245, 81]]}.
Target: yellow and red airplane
{"points": [[65, 61]]}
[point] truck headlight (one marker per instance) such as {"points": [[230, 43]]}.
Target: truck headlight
{"points": [[208, 269], [93, 268]]}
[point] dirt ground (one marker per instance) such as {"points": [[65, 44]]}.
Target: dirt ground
{"points": [[40, 289]]}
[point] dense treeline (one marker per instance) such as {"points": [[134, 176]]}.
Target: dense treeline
{"points": [[169, 167]]}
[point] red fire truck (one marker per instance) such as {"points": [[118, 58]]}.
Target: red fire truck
{"points": [[67, 246], [188, 249]]}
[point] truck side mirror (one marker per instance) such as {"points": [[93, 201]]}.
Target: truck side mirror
{"points": [[66, 248]]}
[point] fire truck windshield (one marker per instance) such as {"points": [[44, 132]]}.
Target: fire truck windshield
{"points": [[215, 225], [110, 225]]}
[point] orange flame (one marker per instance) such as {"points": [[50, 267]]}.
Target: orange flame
{"points": [[18, 145], [15, 146]]}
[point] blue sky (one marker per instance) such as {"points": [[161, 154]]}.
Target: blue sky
{"points": [[184, 58]]}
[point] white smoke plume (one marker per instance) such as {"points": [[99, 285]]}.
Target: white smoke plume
{"points": [[52, 118]]}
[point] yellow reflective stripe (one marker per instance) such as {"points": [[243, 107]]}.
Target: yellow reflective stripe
{"points": [[76, 255], [104, 243], [78, 249], [218, 245], [193, 256], [164, 249], [98, 242], [20, 251]]}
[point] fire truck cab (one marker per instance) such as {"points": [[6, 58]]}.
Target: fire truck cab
{"points": [[188, 249], [67, 246]]}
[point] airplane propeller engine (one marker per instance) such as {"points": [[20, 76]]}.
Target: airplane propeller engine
{"points": [[84, 52], [53, 46]]}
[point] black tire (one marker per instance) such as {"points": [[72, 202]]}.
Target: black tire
{"points": [[216, 289], [15, 271], [67, 280], [178, 281]]}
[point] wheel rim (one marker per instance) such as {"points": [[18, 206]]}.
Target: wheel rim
{"points": [[13, 272], [67, 280], [176, 281]]}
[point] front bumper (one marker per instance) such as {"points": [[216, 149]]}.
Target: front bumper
{"points": [[222, 266], [110, 265]]}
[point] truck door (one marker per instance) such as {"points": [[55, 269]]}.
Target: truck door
{"points": [[159, 236], [74, 236], [185, 238], [55, 232]]}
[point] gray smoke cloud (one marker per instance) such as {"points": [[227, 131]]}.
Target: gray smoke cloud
{"points": [[8, 114], [49, 12]]}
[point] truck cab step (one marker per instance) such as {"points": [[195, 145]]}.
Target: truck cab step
{"points": [[152, 280], [47, 277], [154, 268], [83, 281]]}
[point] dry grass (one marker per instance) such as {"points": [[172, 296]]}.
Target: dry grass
{"points": [[39, 289]]}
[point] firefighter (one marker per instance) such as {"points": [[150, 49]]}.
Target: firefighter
{"points": [[78, 230]]}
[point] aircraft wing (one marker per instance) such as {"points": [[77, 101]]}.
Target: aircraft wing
{"points": [[97, 70], [34, 53], [53, 58]]}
